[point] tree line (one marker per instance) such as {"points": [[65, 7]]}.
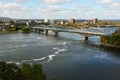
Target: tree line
{"points": [[114, 39]]}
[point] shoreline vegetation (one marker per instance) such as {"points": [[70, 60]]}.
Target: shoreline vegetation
{"points": [[111, 41], [110, 47], [15, 30], [114, 46]]}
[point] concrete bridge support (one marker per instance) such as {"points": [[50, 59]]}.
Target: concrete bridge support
{"points": [[35, 30], [46, 32], [56, 33], [86, 38], [39, 31]]}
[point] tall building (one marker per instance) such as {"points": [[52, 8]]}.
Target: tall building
{"points": [[52, 21], [71, 21], [46, 20], [95, 21], [61, 22]]}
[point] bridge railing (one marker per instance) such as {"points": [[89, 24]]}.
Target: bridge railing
{"points": [[90, 30]]}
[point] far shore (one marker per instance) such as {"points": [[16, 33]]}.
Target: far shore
{"points": [[6, 32], [108, 45]]}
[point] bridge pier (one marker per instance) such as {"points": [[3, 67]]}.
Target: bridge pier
{"points": [[38, 30], [86, 38], [56, 33], [35, 30], [46, 32]]}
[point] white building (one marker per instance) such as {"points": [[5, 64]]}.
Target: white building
{"points": [[46, 20]]}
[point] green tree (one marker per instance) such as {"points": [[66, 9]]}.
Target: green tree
{"points": [[7, 71], [37, 72], [25, 72]]}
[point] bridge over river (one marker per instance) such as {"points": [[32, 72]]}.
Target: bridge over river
{"points": [[86, 32]]}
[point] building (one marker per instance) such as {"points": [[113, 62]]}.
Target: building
{"points": [[5, 22], [62, 22], [46, 20], [95, 21], [71, 21], [52, 21]]}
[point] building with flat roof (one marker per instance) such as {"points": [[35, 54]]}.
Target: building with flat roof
{"points": [[95, 21], [5, 23], [52, 21], [71, 21]]}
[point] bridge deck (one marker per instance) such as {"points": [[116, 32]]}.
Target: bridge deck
{"points": [[88, 31]]}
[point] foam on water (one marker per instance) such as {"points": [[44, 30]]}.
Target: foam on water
{"points": [[50, 57], [6, 51], [10, 62], [64, 43], [56, 48], [60, 50], [23, 45], [17, 46], [39, 59], [39, 38], [25, 61], [101, 56]]}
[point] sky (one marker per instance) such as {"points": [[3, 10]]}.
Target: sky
{"points": [[60, 9]]}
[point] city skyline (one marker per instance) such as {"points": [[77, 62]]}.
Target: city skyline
{"points": [[60, 9]]}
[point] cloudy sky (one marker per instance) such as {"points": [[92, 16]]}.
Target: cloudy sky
{"points": [[60, 9]]}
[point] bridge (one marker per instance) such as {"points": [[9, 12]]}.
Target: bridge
{"points": [[86, 32]]}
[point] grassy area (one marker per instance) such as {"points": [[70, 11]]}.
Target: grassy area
{"points": [[20, 31]]}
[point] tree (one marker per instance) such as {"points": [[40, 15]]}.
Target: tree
{"points": [[7, 71], [26, 72]]}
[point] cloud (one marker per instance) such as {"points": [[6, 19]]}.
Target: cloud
{"points": [[104, 2], [86, 8], [19, 1], [51, 8], [56, 2], [113, 7], [110, 14], [13, 10]]}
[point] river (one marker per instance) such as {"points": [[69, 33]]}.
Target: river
{"points": [[67, 57]]}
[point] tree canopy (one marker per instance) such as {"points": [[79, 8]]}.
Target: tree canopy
{"points": [[26, 72]]}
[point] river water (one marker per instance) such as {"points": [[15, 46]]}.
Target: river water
{"points": [[67, 57]]}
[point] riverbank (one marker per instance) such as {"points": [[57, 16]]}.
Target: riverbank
{"points": [[110, 47], [114, 46], [112, 41], [19, 31], [6, 32]]}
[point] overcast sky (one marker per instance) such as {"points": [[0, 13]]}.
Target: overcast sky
{"points": [[60, 9]]}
